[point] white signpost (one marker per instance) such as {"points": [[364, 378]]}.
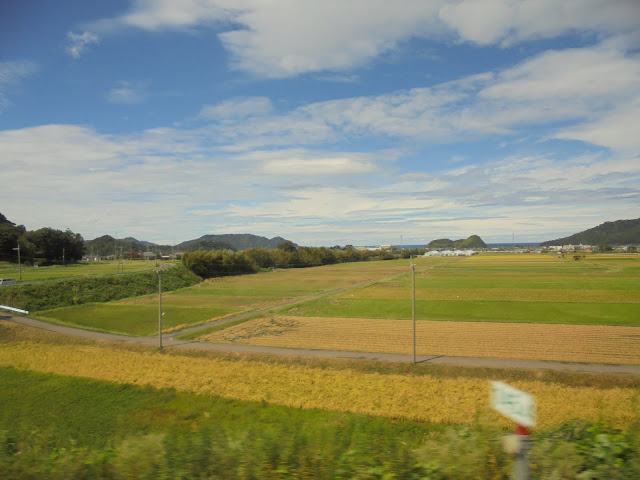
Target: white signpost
{"points": [[515, 404], [520, 407]]}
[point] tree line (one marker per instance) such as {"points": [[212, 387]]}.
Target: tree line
{"points": [[45, 244], [219, 263]]}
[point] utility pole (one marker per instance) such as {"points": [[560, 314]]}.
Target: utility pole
{"points": [[19, 263], [159, 308], [413, 306], [63, 256]]}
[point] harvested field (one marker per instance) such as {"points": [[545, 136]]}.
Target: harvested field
{"points": [[567, 343]]}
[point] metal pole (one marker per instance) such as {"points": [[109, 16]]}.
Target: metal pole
{"points": [[521, 462], [19, 263], [160, 309], [413, 306]]}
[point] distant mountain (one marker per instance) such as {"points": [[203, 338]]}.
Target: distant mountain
{"points": [[474, 241], [230, 241], [107, 245], [141, 242], [620, 232]]}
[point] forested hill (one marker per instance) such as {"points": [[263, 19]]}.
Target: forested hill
{"points": [[474, 241], [620, 232], [107, 245], [233, 241]]}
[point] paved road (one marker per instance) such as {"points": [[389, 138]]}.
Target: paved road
{"points": [[169, 342]]}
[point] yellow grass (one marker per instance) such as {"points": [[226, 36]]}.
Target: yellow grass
{"points": [[424, 398], [567, 343]]}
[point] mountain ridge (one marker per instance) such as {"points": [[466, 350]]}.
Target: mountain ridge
{"points": [[619, 232]]}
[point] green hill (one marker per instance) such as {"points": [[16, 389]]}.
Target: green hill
{"points": [[231, 241], [474, 241], [620, 232]]}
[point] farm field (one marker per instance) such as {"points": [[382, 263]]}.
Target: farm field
{"points": [[426, 394], [562, 343], [524, 306], [31, 274], [516, 288], [220, 297], [75, 408]]}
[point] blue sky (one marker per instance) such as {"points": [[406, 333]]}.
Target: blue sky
{"points": [[334, 122]]}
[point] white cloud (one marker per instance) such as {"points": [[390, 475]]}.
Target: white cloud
{"points": [[291, 37], [127, 93], [168, 14], [487, 22], [11, 73], [237, 108], [577, 86], [319, 167], [79, 43], [288, 38], [172, 181], [617, 130]]}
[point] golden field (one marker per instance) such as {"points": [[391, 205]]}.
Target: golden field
{"points": [[455, 400], [565, 343]]}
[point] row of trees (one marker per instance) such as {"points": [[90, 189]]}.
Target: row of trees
{"points": [[221, 263], [47, 244]]}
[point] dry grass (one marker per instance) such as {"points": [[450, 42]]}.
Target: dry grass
{"points": [[567, 343], [423, 398]]}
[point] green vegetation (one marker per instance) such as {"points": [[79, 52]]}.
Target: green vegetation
{"points": [[568, 313], [474, 241], [531, 289], [46, 244], [61, 427], [620, 232], [31, 274], [210, 264], [240, 241], [62, 293], [202, 301], [129, 319]]}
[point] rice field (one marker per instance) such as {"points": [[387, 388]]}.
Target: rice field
{"points": [[506, 288], [218, 298], [434, 399], [499, 306], [563, 343]]}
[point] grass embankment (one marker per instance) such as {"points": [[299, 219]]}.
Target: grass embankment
{"points": [[56, 426], [63, 293]]}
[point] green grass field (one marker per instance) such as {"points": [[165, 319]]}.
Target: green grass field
{"points": [[524, 288], [600, 290], [31, 274], [218, 298], [59, 427], [130, 319]]}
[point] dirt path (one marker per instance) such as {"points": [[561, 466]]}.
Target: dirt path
{"points": [[169, 342]]}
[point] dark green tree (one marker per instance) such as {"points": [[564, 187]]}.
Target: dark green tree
{"points": [[9, 235]]}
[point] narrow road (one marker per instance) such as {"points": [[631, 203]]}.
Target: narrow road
{"points": [[169, 342]]}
